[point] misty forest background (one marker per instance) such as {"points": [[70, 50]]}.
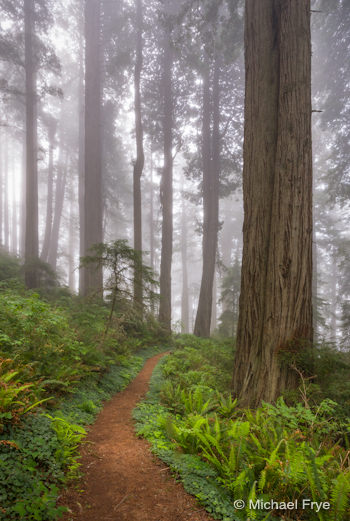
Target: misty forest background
{"points": [[123, 127], [131, 77]]}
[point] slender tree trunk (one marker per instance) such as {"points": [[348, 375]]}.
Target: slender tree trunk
{"points": [[140, 158], [151, 226], [6, 196], [14, 235], [59, 200], [1, 188], [49, 202], [276, 293], [71, 246], [211, 171], [185, 317], [93, 214], [22, 217], [14, 223], [31, 221], [81, 159], [166, 188], [151, 216], [226, 235], [214, 314], [314, 275], [334, 293]]}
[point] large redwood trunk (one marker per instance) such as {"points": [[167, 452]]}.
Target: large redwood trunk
{"points": [[276, 293]]}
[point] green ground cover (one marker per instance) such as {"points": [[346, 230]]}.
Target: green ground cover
{"points": [[55, 374], [223, 453]]}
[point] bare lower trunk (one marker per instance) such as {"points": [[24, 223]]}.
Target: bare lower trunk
{"points": [[71, 247], [14, 234], [151, 228], [14, 223], [214, 315], [185, 326], [334, 302], [276, 293], [314, 278], [227, 234], [49, 201], [56, 225]]}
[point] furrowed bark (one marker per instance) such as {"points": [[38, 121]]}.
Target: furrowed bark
{"points": [[276, 293]]}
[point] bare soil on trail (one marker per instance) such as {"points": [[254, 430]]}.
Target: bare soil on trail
{"points": [[122, 480]]}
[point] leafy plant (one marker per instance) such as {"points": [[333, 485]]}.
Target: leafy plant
{"points": [[275, 452], [16, 399], [70, 436]]}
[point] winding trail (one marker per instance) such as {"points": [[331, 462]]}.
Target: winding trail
{"points": [[122, 480]]}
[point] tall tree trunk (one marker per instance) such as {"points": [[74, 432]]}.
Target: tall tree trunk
{"points": [[275, 314], [14, 223], [93, 226], [214, 314], [1, 187], [71, 245], [14, 234], [22, 212], [31, 220], [151, 227], [59, 200], [6, 195], [211, 172], [314, 274], [185, 326], [227, 234], [81, 158], [49, 201], [166, 188], [333, 299], [140, 157], [151, 216]]}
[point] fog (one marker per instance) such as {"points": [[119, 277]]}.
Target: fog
{"points": [[203, 47]]}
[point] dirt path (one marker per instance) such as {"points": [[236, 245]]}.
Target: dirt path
{"points": [[122, 480]]}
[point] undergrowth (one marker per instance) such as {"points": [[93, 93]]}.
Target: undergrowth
{"points": [[222, 453], [41, 454], [55, 373]]}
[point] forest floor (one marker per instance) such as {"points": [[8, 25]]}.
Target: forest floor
{"points": [[122, 480]]}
